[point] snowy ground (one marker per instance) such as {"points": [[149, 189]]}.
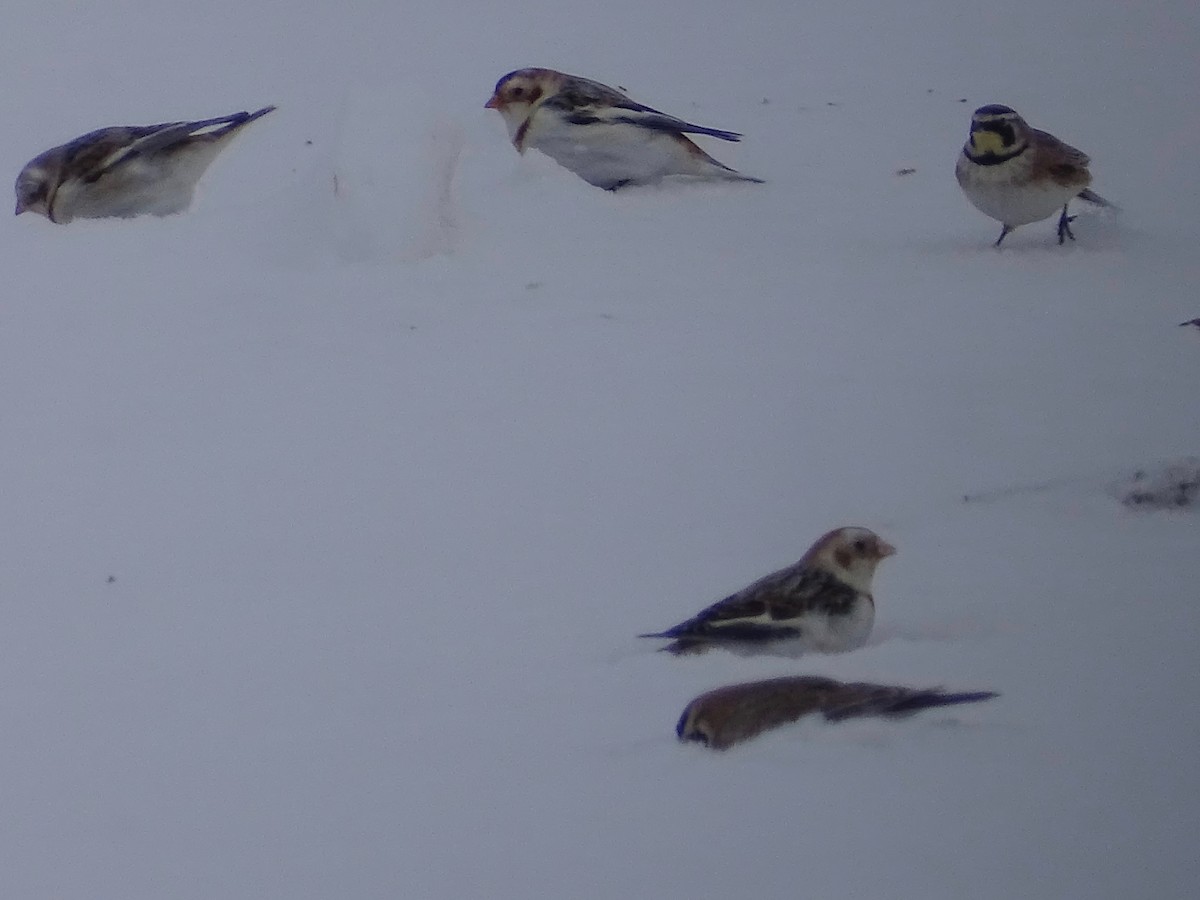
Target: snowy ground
{"points": [[333, 506]]}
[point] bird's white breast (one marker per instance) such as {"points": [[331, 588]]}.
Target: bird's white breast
{"points": [[157, 184], [604, 153], [1006, 193], [838, 633]]}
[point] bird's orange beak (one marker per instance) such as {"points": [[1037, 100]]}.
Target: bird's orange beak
{"points": [[886, 550], [21, 207], [493, 103]]}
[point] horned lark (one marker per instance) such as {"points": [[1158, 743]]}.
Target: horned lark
{"points": [[820, 604], [126, 171], [1016, 174], [600, 134], [735, 713]]}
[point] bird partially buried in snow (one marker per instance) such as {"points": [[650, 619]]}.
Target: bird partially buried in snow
{"points": [[600, 134], [1017, 174], [126, 171], [735, 713], [821, 604]]}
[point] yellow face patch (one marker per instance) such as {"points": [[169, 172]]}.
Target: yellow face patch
{"points": [[985, 142]]}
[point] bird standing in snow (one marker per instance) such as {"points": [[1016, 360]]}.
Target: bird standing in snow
{"points": [[820, 604], [1016, 174], [735, 713], [126, 171], [599, 133]]}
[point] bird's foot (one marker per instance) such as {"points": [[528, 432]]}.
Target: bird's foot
{"points": [[1064, 226]]}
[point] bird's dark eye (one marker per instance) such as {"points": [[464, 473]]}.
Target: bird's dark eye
{"points": [[518, 91], [860, 546]]}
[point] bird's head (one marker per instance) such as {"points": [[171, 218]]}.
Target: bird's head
{"points": [[33, 189], [997, 132], [851, 554], [519, 92]]}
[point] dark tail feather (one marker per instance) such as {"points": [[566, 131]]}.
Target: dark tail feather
{"points": [[735, 175], [676, 647], [714, 132], [879, 700], [926, 699], [684, 647], [232, 121], [672, 635], [1092, 197]]}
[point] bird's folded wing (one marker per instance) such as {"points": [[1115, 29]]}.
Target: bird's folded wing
{"points": [[657, 121], [590, 102], [769, 606], [97, 153], [1066, 154]]}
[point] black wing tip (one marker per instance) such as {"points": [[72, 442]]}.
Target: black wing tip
{"points": [[656, 121], [258, 113], [238, 119], [732, 136], [216, 127], [937, 698], [678, 645], [682, 630], [973, 696], [718, 133]]}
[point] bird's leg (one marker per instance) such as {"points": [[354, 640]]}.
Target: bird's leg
{"points": [[1003, 235], [1064, 225]]}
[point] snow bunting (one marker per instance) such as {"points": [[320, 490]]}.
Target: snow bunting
{"points": [[600, 134], [1016, 174], [735, 713], [126, 171], [820, 604]]}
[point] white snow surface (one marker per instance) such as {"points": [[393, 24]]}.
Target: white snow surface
{"points": [[333, 506]]}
